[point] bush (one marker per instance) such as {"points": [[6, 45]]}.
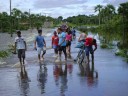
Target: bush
{"points": [[122, 53], [4, 54], [104, 46]]}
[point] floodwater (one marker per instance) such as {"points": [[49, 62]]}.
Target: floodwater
{"points": [[110, 75]]}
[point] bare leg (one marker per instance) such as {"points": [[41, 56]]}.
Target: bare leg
{"points": [[69, 49], [42, 56], [88, 59], [21, 73], [20, 59], [92, 57], [60, 55], [64, 51], [39, 57], [23, 60], [55, 51]]}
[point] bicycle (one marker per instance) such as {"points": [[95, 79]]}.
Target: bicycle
{"points": [[81, 54]]}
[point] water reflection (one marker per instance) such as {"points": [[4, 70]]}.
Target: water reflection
{"points": [[60, 76], [89, 72], [42, 77], [24, 82], [70, 68]]}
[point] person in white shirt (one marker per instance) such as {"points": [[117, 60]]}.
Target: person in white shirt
{"points": [[20, 46]]}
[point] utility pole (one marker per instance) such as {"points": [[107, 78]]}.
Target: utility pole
{"points": [[11, 18]]}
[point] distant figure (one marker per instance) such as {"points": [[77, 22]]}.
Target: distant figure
{"points": [[55, 41], [40, 45], [62, 43], [73, 33], [64, 27], [20, 45], [89, 42]]}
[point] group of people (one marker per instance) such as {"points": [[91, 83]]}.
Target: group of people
{"points": [[61, 42]]}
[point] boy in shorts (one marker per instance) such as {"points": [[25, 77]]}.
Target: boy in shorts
{"points": [[55, 40], [89, 43], [21, 47], [40, 45], [62, 43]]}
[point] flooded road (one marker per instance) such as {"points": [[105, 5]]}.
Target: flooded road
{"points": [[66, 79]]}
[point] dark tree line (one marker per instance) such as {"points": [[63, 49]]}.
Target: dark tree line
{"points": [[23, 20]]}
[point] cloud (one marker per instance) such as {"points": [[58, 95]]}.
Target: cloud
{"points": [[114, 2], [56, 3], [23, 5], [69, 10], [57, 8]]}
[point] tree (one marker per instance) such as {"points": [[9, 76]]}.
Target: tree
{"points": [[60, 18], [16, 13], [4, 22], [109, 11], [123, 10], [98, 8]]}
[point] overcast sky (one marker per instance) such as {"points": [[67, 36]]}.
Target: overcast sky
{"points": [[57, 8]]}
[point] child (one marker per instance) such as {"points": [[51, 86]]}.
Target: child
{"points": [[68, 41], [62, 43], [55, 40], [40, 45], [21, 47]]}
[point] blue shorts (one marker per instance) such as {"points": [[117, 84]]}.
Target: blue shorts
{"points": [[88, 50], [54, 46]]}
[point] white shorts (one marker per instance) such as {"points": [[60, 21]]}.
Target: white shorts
{"points": [[39, 50]]}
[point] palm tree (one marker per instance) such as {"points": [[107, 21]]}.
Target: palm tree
{"points": [[60, 18], [16, 13], [25, 20], [98, 8], [110, 11], [123, 10], [4, 20]]}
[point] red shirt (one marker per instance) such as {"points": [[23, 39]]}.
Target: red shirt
{"points": [[89, 42], [55, 40]]}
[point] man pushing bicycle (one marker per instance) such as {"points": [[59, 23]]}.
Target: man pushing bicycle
{"points": [[89, 42]]}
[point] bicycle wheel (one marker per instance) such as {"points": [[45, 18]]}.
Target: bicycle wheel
{"points": [[78, 55], [85, 59], [81, 58]]}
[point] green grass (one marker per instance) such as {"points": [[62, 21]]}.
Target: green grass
{"points": [[121, 52], [104, 46], [4, 54]]}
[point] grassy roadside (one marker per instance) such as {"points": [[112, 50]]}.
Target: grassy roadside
{"points": [[8, 52], [4, 53]]}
